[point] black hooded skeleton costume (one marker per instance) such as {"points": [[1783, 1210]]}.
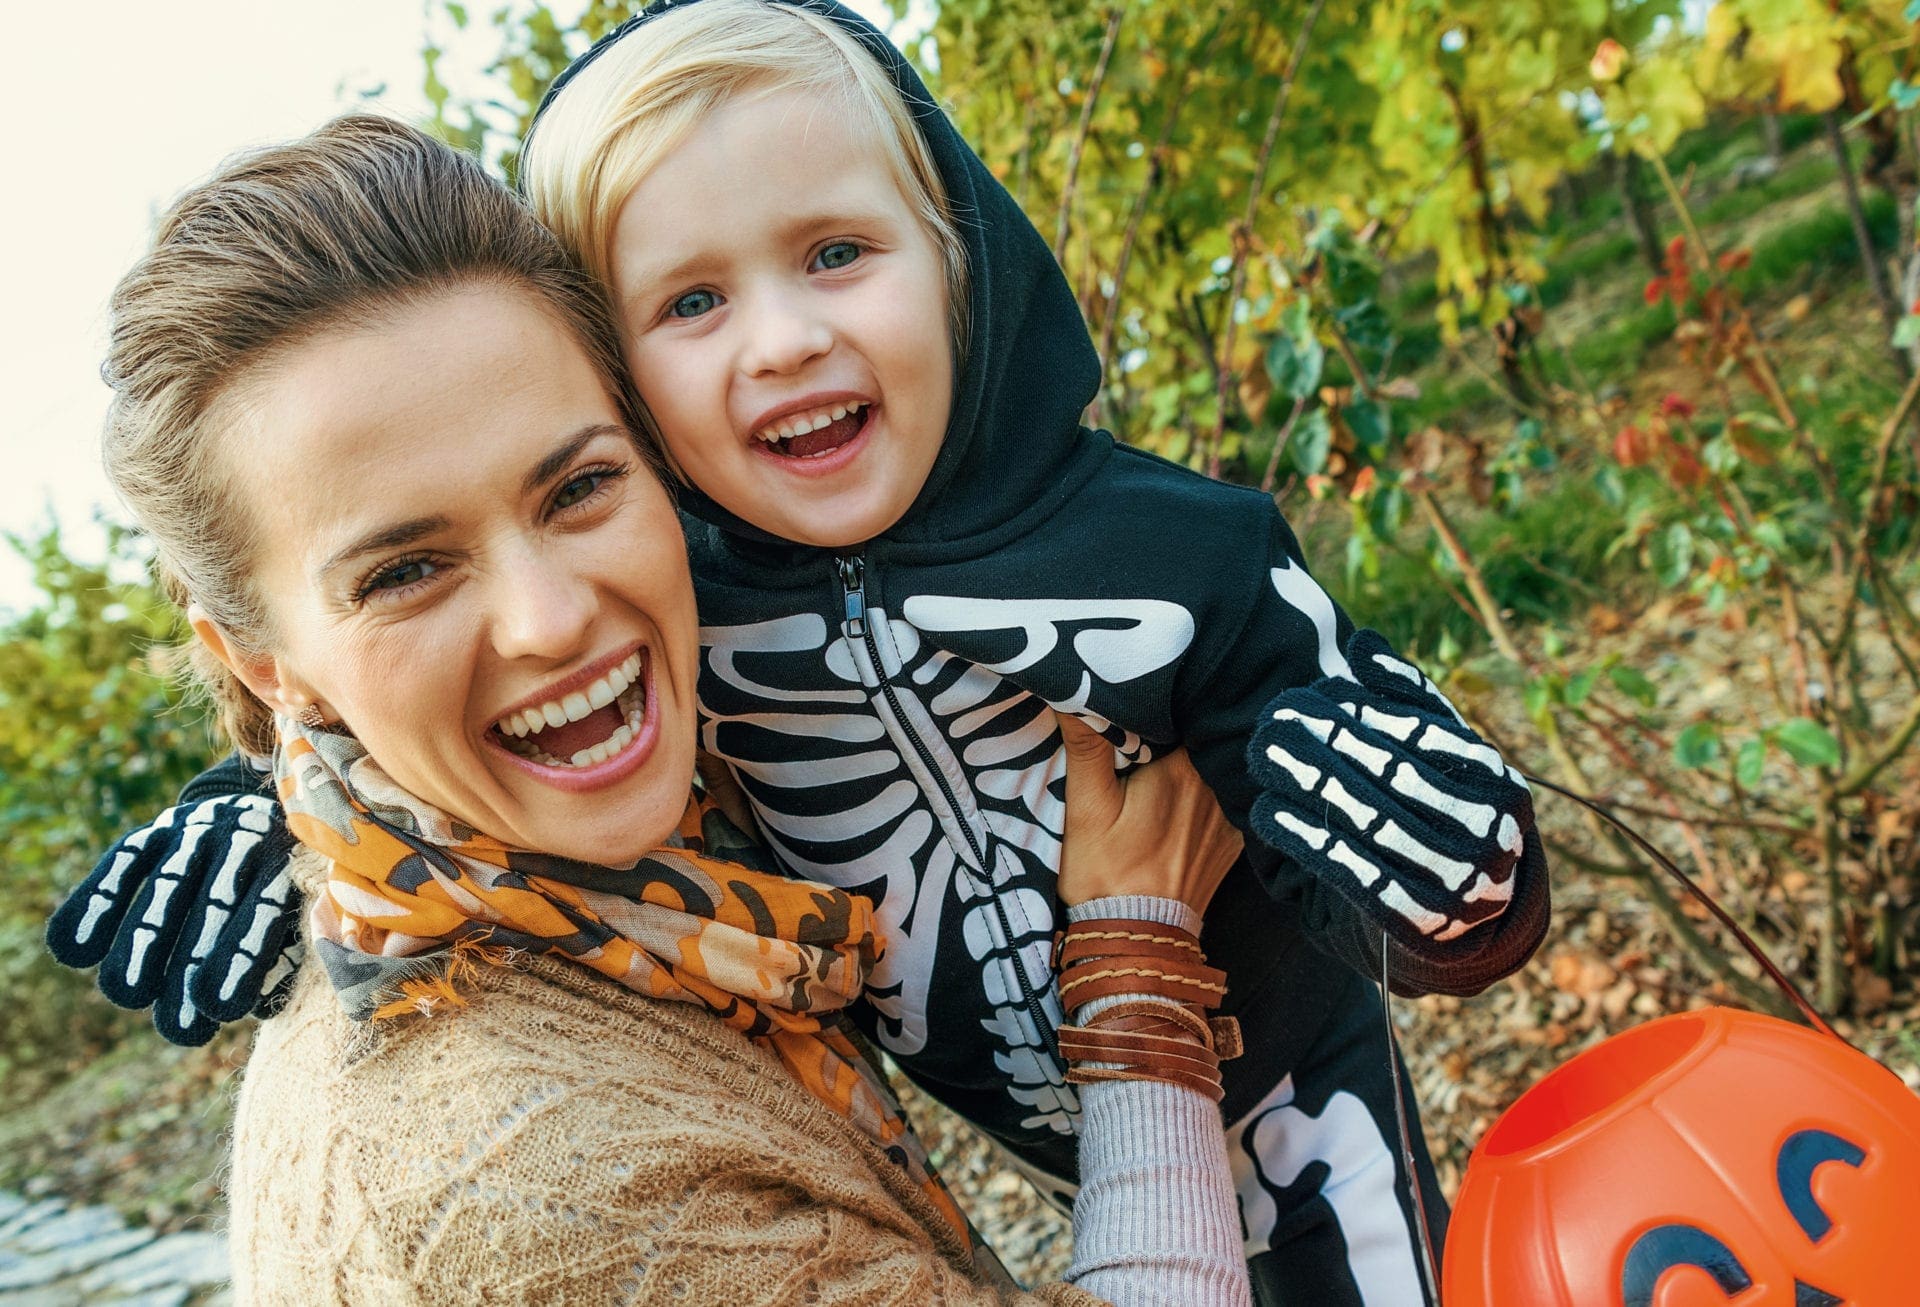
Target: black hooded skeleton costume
{"points": [[887, 708], [888, 711]]}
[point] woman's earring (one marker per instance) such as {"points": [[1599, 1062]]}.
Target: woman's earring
{"points": [[311, 717]]}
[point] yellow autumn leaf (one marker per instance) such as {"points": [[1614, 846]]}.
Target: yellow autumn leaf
{"points": [[1811, 84]]}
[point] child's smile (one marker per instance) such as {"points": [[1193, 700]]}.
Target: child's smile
{"points": [[818, 436], [785, 313]]}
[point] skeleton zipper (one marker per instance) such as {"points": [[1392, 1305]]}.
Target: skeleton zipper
{"points": [[853, 585]]}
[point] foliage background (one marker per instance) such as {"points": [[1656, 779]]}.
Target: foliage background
{"points": [[1578, 341]]}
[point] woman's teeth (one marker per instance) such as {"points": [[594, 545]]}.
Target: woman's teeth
{"points": [[799, 424], [521, 731]]}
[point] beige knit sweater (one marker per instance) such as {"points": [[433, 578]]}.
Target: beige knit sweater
{"points": [[564, 1140]]}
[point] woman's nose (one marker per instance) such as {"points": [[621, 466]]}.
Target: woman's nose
{"points": [[785, 331], [542, 609]]}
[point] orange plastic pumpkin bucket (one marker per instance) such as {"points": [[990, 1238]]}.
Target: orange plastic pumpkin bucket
{"points": [[1710, 1157]]}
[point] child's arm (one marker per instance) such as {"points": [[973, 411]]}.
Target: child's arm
{"points": [[1375, 807]]}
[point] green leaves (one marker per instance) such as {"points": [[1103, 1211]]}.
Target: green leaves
{"points": [[1807, 742], [1698, 746], [1804, 740], [1369, 422], [1312, 439], [1295, 356], [1633, 683]]}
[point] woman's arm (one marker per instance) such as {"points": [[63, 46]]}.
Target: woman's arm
{"points": [[1156, 1221]]}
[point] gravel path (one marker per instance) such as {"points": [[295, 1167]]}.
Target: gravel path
{"points": [[53, 1255]]}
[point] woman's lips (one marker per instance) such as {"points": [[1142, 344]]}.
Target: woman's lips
{"points": [[616, 766]]}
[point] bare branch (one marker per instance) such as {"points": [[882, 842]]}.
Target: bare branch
{"points": [[1080, 136]]}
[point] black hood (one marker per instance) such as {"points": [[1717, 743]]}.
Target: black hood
{"points": [[1029, 371]]}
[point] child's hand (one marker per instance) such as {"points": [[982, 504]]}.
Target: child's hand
{"points": [[1378, 786], [1156, 831], [194, 913]]}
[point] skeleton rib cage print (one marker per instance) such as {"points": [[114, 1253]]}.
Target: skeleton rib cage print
{"points": [[884, 765], [898, 740]]}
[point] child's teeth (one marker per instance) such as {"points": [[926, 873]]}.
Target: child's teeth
{"points": [[839, 411]]}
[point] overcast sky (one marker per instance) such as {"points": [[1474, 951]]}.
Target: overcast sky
{"points": [[113, 116]]}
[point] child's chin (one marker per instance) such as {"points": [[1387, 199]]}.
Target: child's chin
{"points": [[836, 528]]}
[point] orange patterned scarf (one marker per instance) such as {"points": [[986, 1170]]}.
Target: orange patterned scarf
{"points": [[415, 899]]}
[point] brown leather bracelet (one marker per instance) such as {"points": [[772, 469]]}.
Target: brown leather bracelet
{"points": [[1091, 1050], [1198, 1084], [1157, 1016], [1080, 943], [1101, 978], [1159, 1028]]}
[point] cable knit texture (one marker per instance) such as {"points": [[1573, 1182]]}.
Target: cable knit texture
{"points": [[563, 1139]]}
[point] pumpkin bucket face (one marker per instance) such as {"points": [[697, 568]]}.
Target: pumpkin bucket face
{"points": [[1697, 1160]]}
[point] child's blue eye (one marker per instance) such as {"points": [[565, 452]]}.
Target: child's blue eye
{"points": [[838, 255], [694, 303]]}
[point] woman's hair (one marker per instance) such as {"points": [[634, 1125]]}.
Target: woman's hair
{"points": [[361, 218], [641, 96]]}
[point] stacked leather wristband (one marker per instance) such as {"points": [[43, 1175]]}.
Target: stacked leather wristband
{"points": [[1160, 1029]]}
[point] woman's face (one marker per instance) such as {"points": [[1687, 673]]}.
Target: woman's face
{"points": [[464, 561]]}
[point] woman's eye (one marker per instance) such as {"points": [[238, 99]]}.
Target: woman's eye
{"points": [[578, 489], [402, 575], [695, 303], [838, 255]]}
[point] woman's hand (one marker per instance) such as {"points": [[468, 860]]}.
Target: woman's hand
{"points": [[1157, 831]]}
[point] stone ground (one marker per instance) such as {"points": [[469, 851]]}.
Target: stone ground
{"points": [[53, 1255]]}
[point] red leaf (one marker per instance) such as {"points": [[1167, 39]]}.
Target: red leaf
{"points": [[1685, 470], [1633, 447], [1655, 289], [1676, 406]]}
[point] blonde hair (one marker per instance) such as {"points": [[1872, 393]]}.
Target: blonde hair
{"points": [[362, 217], [645, 91]]}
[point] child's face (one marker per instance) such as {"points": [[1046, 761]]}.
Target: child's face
{"points": [[771, 277]]}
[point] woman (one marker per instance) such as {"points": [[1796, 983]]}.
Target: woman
{"points": [[555, 1045]]}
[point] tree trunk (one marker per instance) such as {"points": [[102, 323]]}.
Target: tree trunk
{"points": [[1862, 237], [1770, 129], [1633, 203]]}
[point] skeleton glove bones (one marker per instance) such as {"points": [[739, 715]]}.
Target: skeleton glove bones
{"points": [[193, 914], [1376, 787]]}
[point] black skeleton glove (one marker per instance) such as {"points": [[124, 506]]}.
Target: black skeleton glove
{"points": [[1378, 789], [193, 914]]}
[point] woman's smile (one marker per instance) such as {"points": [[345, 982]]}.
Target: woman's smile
{"points": [[590, 730]]}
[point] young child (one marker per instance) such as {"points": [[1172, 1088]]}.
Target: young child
{"points": [[863, 360]]}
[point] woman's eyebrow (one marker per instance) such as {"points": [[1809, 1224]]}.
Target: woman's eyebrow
{"points": [[387, 537], [405, 533], [565, 452]]}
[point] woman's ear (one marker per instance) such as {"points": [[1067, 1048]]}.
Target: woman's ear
{"points": [[260, 673]]}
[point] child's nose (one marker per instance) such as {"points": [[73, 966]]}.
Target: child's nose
{"points": [[785, 332]]}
